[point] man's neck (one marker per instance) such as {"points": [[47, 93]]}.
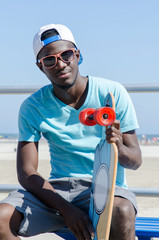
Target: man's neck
{"points": [[75, 95]]}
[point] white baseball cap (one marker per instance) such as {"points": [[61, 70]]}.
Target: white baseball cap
{"points": [[64, 33]]}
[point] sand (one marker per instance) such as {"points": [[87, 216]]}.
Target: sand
{"points": [[146, 176]]}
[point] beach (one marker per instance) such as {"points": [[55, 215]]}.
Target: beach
{"points": [[147, 176]]}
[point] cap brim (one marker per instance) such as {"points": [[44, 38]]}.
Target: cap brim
{"points": [[81, 59]]}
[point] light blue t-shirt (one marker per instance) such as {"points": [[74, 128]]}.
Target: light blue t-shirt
{"points": [[71, 144]]}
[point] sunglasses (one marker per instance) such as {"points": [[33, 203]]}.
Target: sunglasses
{"points": [[51, 60]]}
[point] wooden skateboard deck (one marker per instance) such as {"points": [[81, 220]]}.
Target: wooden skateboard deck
{"points": [[103, 186]]}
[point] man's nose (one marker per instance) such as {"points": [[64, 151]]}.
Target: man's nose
{"points": [[60, 64]]}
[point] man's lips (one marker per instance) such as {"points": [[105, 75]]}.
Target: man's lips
{"points": [[62, 74]]}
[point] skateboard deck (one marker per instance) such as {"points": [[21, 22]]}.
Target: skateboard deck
{"points": [[104, 177]]}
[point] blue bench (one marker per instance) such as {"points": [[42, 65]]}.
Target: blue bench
{"points": [[145, 227], [66, 235]]}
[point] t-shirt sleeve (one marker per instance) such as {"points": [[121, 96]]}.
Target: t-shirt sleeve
{"points": [[125, 111], [27, 124]]}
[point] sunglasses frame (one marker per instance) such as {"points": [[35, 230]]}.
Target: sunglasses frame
{"points": [[56, 57]]}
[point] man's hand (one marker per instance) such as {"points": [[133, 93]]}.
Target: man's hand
{"points": [[129, 153], [78, 222], [114, 135]]}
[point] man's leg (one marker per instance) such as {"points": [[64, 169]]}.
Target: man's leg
{"points": [[123, 220], [10, 220]]}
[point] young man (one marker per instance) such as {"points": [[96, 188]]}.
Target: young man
{"points": [[63, 200]]}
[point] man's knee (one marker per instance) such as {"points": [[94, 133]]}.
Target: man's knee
{"points": [[5, 213], [10, 219], [123, 219], [123, 209]]}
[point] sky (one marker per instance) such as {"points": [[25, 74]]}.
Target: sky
{"points": [[119, 40]]}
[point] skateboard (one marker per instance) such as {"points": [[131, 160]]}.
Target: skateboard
{"points": [[104, 170]]}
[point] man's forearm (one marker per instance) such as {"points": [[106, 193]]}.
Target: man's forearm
{"points": [[129, 157], [43, 190]]}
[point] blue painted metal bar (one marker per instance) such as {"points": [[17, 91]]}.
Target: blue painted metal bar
{"points": [[6, 188], [144, 192], [31, 89], [19, 90], [142, 88]]}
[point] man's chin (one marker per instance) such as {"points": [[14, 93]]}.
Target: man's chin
{"points": [[64, 87]]}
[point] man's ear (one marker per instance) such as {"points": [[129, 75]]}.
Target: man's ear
{"points": [[39, 66], [78, 54]]}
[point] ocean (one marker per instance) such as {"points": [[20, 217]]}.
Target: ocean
{"points": [[8, 136], [143, 138]]}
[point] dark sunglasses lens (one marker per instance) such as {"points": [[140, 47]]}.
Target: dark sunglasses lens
{"points": [[49, 61], [68, 55]]}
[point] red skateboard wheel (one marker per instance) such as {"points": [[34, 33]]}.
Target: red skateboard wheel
{"points": [[86, 117], [104, 116]]}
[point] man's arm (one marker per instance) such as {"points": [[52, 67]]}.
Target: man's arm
{"points": [[27, 163], [128, 146]]}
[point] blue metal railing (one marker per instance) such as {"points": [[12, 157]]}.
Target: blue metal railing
{"points": [[28, 90], [140, 192]]}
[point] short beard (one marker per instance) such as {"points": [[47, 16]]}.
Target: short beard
{"points": [[65, 87]]}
